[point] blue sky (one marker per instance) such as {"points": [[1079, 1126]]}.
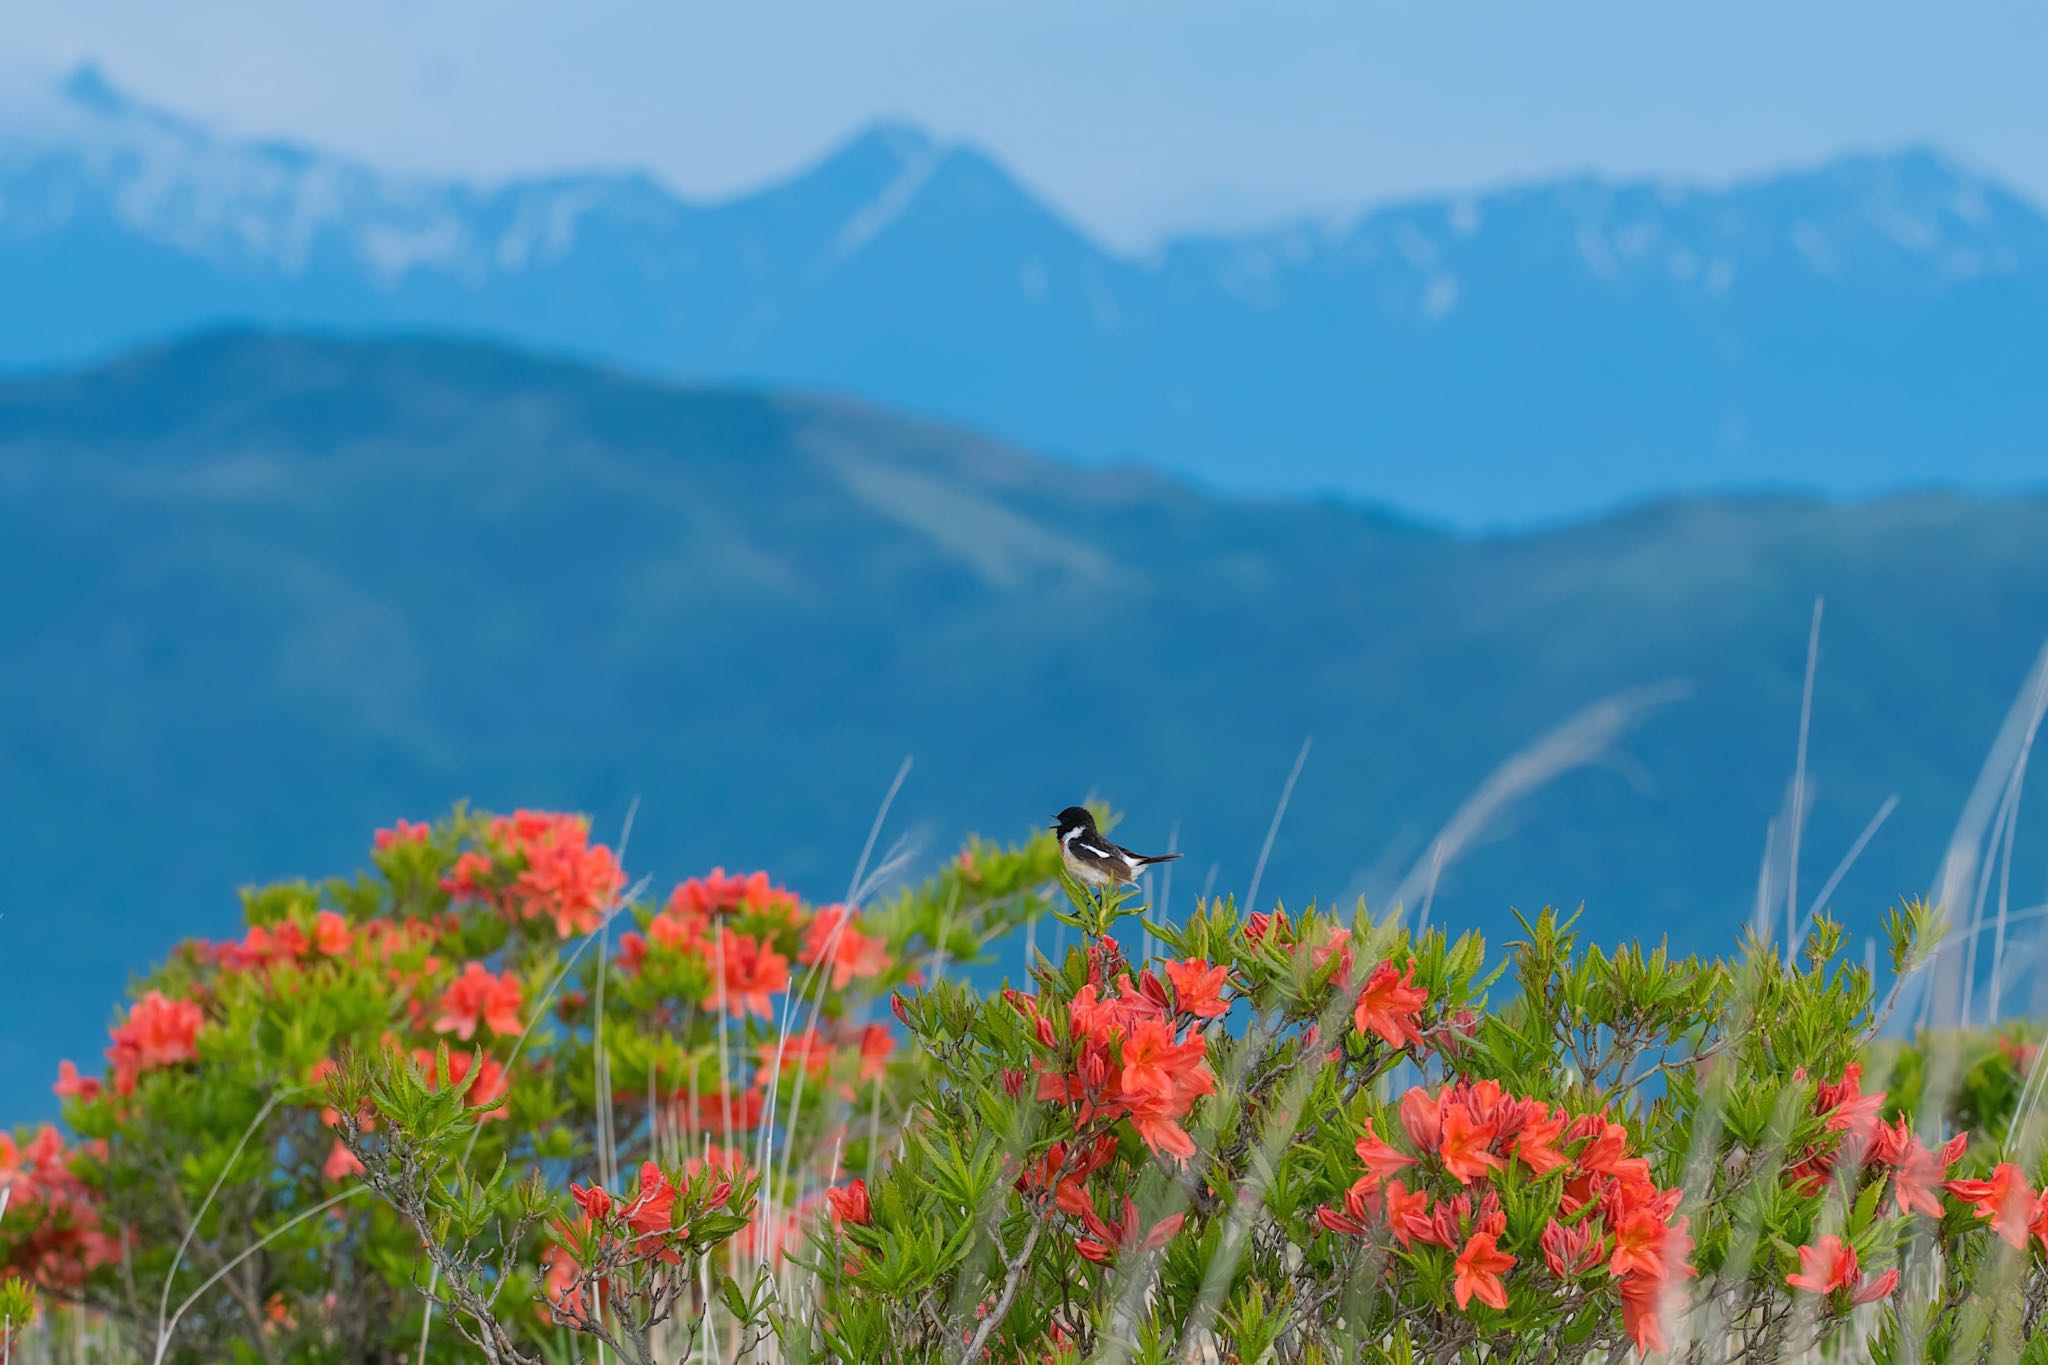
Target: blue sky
{"points": [[1138, 117]]}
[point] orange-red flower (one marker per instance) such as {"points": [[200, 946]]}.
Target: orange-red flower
{"points": [[1830, 1264], [478, 997], [716, 1111], [1380, 1158], [1917, 1173], [1480, 1266], [1574, 1250], [1533, 1141], [341, 1163], [1846, 1108], [1422, 1117], [158, 1032], [834, 935], [1642, 1312], [1465, 1145], [71, 1085], [651, 1214], [1407, 1212], [1109, 1237], [331, 933], [1198, 988], [2004, 1199], [715, 892], [753, 972], [1070, 1170], [850, 1203], [568, 879], [876, 1046], [1390, 1005], [404, 832]]}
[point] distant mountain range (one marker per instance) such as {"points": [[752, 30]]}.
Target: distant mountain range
{"points": [[1876, 322], [266, 592]]}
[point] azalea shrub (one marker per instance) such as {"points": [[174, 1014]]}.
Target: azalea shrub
{"points": [[489, 1099], [487, 1018]]}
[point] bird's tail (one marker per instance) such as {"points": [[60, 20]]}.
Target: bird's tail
{"points": [[1157, 858]]}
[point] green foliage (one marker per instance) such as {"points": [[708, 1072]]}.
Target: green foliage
{"points": [[485, 1099]]}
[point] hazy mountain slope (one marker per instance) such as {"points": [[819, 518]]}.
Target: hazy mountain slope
{"points": [[1871, 323], [267, 592]]}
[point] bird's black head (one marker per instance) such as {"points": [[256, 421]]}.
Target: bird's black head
{"points": [[1073, 817]]}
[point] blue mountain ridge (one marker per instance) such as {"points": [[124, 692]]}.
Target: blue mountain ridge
{"points": [[1873, 323]]}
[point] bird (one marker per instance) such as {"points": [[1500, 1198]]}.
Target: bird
{"points": [[1093, 860]]}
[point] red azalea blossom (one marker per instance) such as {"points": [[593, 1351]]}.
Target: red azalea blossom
{"points": [[1465, 1151], [158, 1032], [876, 1046], [1917, 1173], [718, 1111], [1108, 1238], [834, 935], [2004, 1199], [1378, 1158], [1261, 923], [331, 933], [1847, 1108], [716, 892], [403, 832], [1071, 1171], [1198, 988], [341, 1163], [1390, 1005], [1533, 1141], [1830, 1264], [1160, 1073], [753, 972], [71, 1085], [1480, 1266], [1572, 1251], [1613, 1216], [1642, 1312], [850, 1203], [478, 997]]}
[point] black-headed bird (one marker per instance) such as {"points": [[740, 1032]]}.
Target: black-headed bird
{"points": [[1093, 860]]}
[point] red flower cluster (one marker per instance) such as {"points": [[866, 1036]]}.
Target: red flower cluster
{"points": [[752, 972], [401, 833], [1136, 1054], [1848, 1111], [1610, 1212], [1065, 1171], [850, 1203], [66, 1241], [1390, 1005], [283, 943], [718, 1111], [1831, 1265], [158, 1032], [716, 893], [747, 969], [477, 997], [1109, 1238], [834, 936], [1915, 1170], [2007, 1202], [642, 1227], [542, 865]]}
